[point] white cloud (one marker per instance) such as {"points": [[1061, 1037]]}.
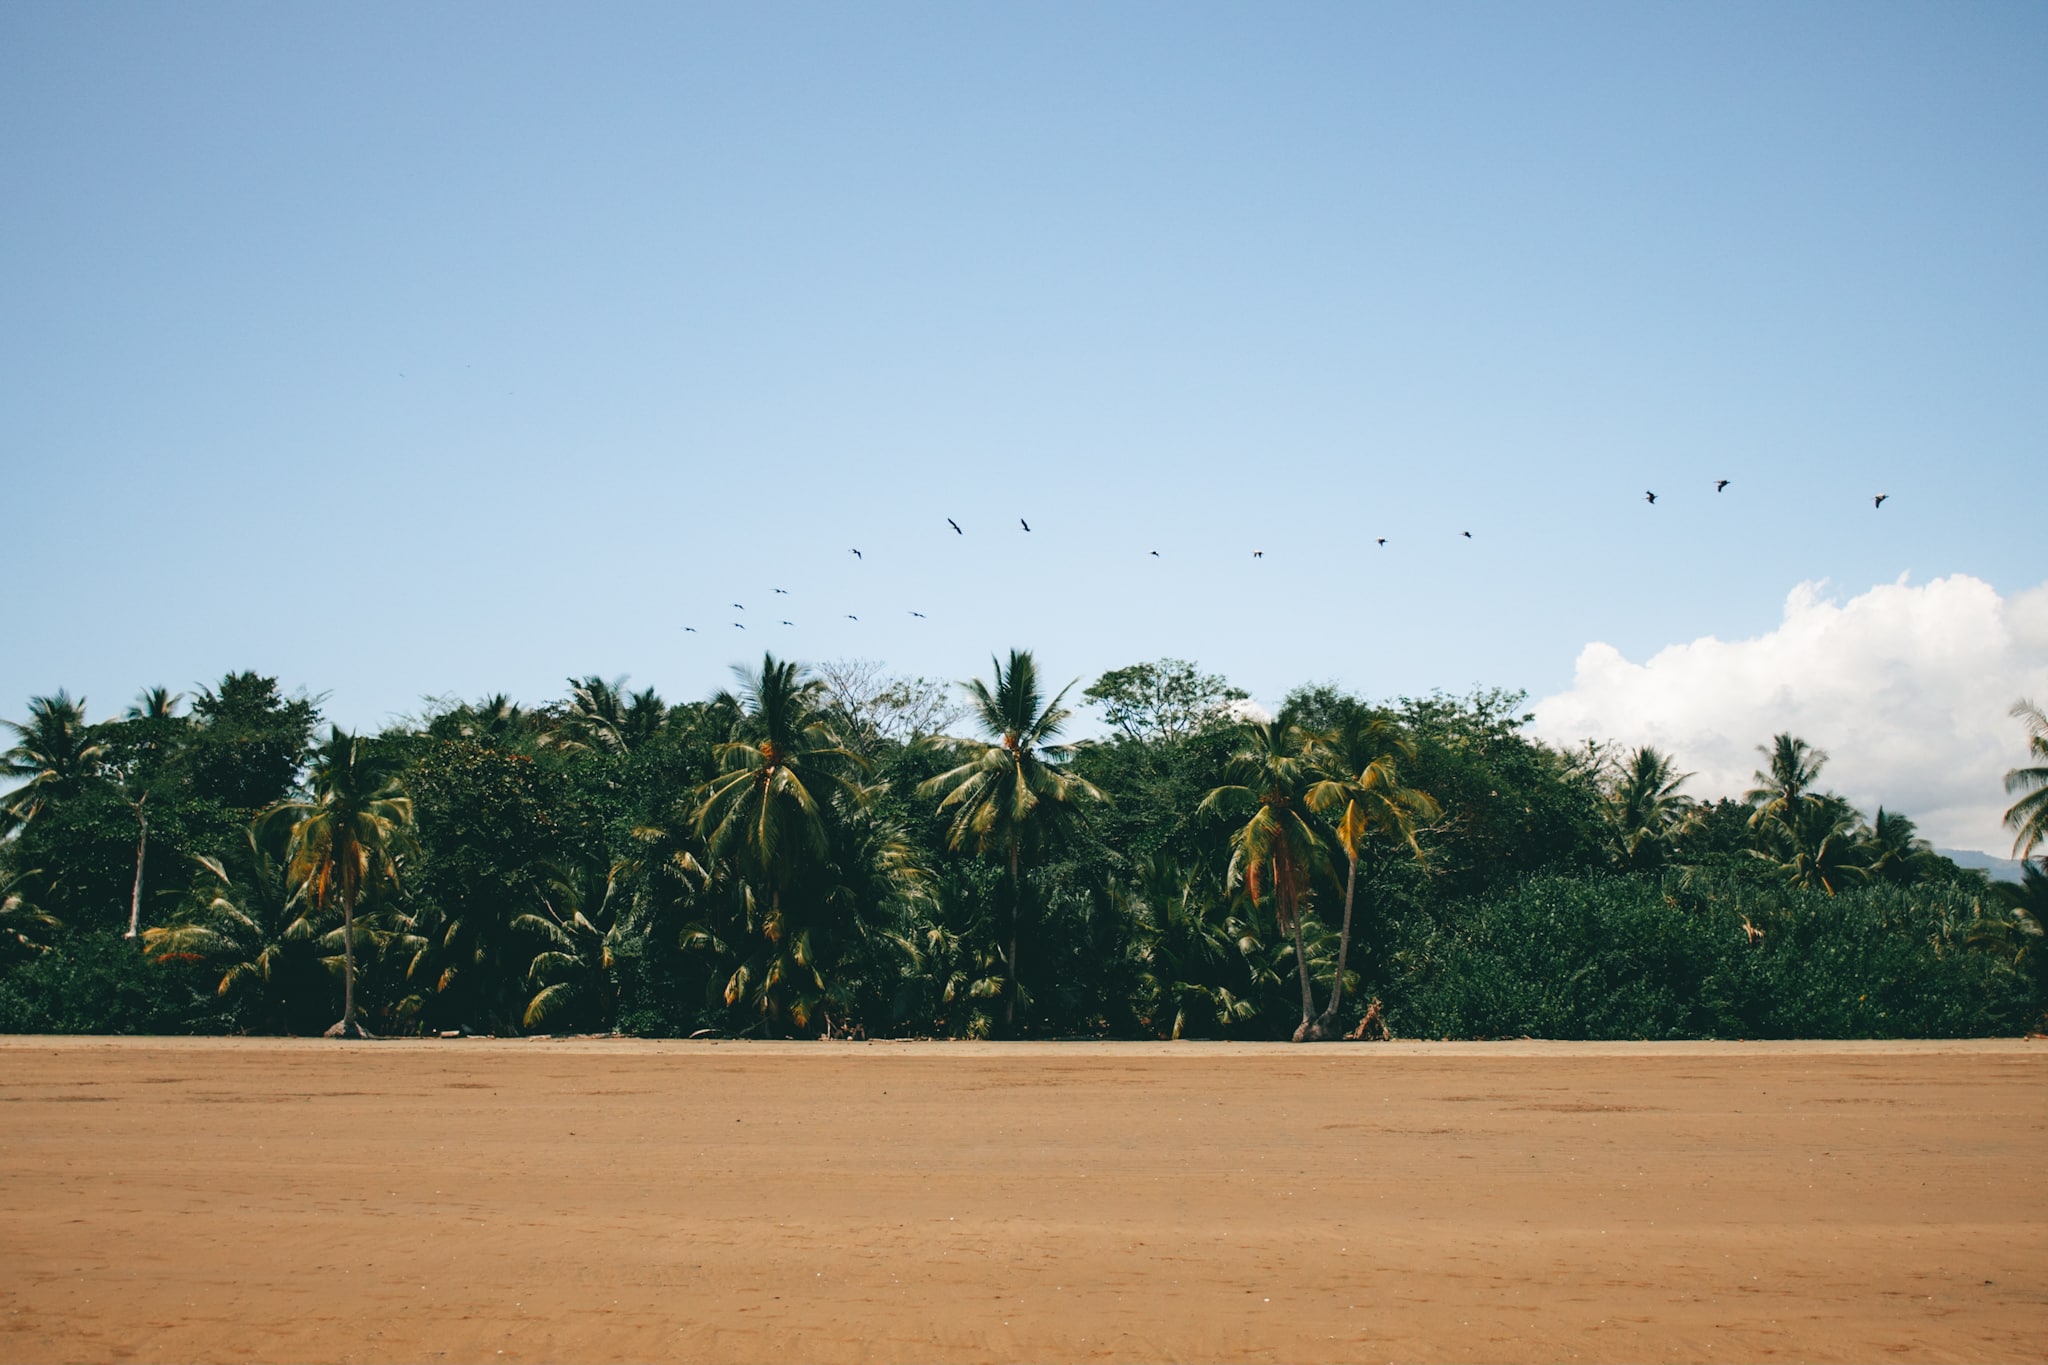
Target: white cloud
{"points": [[1907, 689]]}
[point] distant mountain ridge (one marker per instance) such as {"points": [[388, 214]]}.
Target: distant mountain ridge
{"points": [[2001, 869]]}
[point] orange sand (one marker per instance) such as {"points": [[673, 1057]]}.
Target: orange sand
{"points": [[611, 1200]]}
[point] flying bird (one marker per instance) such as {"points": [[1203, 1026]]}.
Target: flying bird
{"points": [[691, 629], [1468, 535], [1650, 498], [851, 617], [789, 623], [739, 606], [918, 614], [1023, 523], [1155, 554], [1258, 554], [956, 527], [737, 626], [856, 554], [783, 591], [1383, 540], [1880, 499], [1720, 484]]}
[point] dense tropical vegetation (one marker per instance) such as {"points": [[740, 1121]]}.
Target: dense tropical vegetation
{"points": [[837, 851]]}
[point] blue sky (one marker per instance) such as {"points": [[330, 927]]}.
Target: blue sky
{"points": [[405, 350]]}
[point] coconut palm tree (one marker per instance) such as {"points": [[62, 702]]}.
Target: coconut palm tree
{"points": [[1009, 795], [764, 808], [1815, 845], [263, 935], [496, 721], [582, 934], [2028, 816], [1194, 960], [1277, 849], [1362, 758], [356, 827], [155, 703], [54, 752], [603, 718], [1787, 780], [1643, 808], [1893, 851], [764, 818], [24, 929]]}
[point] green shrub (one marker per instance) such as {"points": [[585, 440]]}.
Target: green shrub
{"points": [[102, 983], [1675, 957]]}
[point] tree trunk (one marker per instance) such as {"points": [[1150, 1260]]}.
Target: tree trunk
{"points": [[141, 851], [1308, 1029], [1329, 1017], [1010, 986], [348, 1027]]}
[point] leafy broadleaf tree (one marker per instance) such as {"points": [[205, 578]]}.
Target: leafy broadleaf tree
{"points": [[142, 756], [1162, 701], [1276, 850], [249, 742], [1009, 796], [354, 827]]}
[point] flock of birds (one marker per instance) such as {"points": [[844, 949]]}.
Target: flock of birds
{"points": [[1649, 496]]}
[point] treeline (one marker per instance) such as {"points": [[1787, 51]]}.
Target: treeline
{"points": [[836, 851]]}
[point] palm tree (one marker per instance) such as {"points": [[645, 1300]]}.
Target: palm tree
{"points": [[1193, 958], [1364, 753], [354, 828], [1644, 809], [1894, 850], [54, 751], [497, 721], [1815, 845], [2028, 816], [764, 815], [1794, 766], [263, 936], [574, 974], [601, 718], [155, 703], [1276, 847], [1008, 796], [24, 929]]}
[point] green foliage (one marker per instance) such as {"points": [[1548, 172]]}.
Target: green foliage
{"points": [[1700, 957], [2028, 816], [250, 743], [99, 982], [805, 855], [1163, 701]]}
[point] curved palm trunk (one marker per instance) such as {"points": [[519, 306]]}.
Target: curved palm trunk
{"points": [[348, 1028], [1329, 1014], [1307, 1027], [1016, 914], [1284, 887], [141, 851]]}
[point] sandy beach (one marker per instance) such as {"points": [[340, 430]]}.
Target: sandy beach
{"points": [[604, 1200]]}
